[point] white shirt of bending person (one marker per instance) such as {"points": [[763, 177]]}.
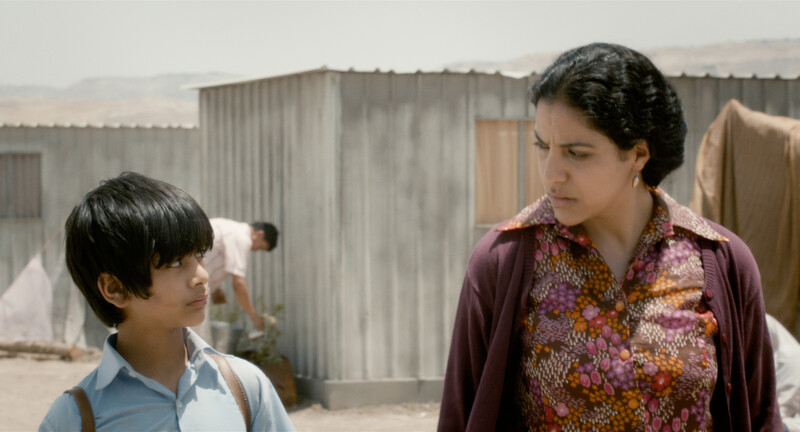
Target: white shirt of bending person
{"points": [[786, 351]]}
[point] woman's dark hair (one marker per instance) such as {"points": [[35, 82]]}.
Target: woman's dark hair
{"points": [[270, 233], [624, 96], [126, 227]]}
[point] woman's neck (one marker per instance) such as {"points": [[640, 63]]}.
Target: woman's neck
{"points": [[616, 234], [159, 355]]}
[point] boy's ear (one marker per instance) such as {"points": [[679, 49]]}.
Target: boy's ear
{"points": [[111, 289]]}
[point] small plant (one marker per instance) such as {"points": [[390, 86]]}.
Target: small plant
{"points": [[225, 312], [263, 349]]}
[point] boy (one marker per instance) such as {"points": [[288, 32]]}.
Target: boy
{"points": [[134, 248]]}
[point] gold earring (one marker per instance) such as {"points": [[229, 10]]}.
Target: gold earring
{"points": [[636, 181]]}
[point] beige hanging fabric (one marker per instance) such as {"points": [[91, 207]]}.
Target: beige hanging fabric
{"points": [[747, 178]]}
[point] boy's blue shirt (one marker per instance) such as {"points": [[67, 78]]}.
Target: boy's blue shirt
{"points": [[123, 399]]}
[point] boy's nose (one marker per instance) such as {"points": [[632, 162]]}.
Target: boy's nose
{"points": [[201, 275]]}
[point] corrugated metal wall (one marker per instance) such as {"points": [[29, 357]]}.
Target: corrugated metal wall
{"points": [[271, 154], [407, 211], [370, 177], [73, 161]]}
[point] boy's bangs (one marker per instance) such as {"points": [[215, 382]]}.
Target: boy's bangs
{"points": [[187, 232]]}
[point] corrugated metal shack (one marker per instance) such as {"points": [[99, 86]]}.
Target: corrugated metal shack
{"points": [[381, 183], [46, 169]]}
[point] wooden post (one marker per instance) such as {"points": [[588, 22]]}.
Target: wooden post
{"points": [[69, 352]]}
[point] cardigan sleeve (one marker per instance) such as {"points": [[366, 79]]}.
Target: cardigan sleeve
{"points": [[468, 348], [475, 383], [758, 363], [750, 388]]}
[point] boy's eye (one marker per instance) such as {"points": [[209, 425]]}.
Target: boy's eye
{"points": [[541, 145], [174, 264]]}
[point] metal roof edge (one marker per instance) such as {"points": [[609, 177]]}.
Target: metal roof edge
{"points": [[499, 72], [222, 83], [510, 74], [731, 76]]}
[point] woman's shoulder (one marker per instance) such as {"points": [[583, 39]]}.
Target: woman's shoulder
{"points": [[734, 262], [729, 248], [497, 245], [497, 261], [733, 249], [506, 238]]}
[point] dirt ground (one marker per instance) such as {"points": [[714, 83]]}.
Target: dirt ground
{"points": [[28, 385]]}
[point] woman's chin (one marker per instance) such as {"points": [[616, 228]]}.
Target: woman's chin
{"points": [[567, 219]]}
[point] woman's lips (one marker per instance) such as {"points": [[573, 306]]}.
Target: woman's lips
{"points": [[559, 201]]}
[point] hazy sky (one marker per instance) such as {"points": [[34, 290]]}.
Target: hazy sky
{"points": [[59, 43]]}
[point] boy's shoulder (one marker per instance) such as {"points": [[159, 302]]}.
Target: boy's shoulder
{"points": [[243, 368], [267, 410], [253, 379], [63, 413]]}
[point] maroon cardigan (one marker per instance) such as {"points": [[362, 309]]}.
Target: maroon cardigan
{"points": [[485, 349]]}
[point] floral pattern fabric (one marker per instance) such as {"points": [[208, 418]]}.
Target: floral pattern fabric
{"points": [[607, 355]]}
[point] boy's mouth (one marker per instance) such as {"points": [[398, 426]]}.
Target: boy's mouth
{"points": [[200, 300]]}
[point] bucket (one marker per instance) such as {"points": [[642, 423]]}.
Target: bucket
{"points": [[225, 336]]}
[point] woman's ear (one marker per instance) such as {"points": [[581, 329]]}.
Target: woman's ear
{"points": [[111, 289], [641, 154]]}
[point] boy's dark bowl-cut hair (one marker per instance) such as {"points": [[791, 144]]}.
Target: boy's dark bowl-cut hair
{"points": [[622, 95], [126, 227], [270, 233]]}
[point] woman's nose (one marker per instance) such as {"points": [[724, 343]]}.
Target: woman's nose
{"points": [[551, 169]]}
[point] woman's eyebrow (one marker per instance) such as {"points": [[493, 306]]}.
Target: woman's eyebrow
{"points": [[572, 144]]}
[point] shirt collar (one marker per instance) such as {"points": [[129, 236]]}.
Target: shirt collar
{"points": [[668, 214], [682, 217], [196, 346], [111, 362]]}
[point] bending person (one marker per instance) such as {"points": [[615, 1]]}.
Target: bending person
{"points": [[233, 242]]}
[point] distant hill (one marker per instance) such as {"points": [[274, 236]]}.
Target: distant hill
{"points": [[152, 100], [765, 58], [160, 99]]}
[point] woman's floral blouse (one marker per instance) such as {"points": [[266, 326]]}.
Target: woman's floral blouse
{"points": [[604, 355]]}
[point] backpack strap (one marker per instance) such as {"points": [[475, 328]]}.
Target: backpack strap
{"points": [[235, 386], [85, 408], [87, 415]]}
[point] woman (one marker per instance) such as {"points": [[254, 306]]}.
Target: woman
{"points": [[606, 305]]}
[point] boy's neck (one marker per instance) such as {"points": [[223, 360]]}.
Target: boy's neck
{"points": [[159, 355]]}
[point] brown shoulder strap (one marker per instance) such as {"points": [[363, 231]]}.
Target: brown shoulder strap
{"points": [[235, 386], [85, 408]]}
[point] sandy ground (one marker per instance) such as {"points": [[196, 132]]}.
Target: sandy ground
{"points": [[29, 385]]}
